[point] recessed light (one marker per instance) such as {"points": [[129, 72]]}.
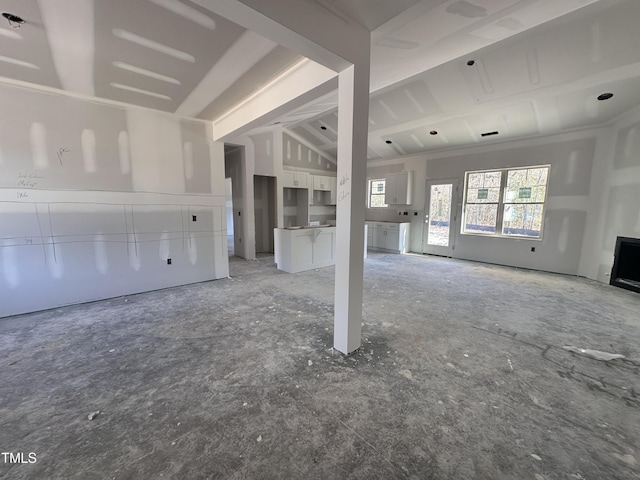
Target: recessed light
{"points": [[605, 96], [471, 63], [433, 132], [387, 141], [14, 20]]}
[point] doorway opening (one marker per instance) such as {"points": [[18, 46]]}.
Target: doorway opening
{"points": [[234, 168], [264, 195], [228, 190], [438, 229]]}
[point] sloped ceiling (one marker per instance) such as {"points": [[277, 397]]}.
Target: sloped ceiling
{"points": [[541, 80], [168, 55], [538, 68]]}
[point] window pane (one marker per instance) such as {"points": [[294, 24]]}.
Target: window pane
{"points": [[480, 218], [377, 201], [523, 220], [483, 187], [484, 179], [526, 186], [483, 195], [377, 186]]}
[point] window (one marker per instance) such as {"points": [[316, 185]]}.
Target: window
{"points": [[507, 203], [376, 193]]}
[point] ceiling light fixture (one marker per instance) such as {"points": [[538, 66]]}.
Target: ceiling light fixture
{"points": [[433, 132], [388, 142], [14, 20], [471, 63], [605, 96], [322, 127], [488, 134]]}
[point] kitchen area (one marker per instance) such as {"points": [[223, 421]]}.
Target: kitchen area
{"points": [[308, 238]]}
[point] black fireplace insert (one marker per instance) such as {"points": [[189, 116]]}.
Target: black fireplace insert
{"points": [[626, 265]]}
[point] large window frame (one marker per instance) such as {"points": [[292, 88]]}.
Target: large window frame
{"points": [[375, 193], [506, 202]]}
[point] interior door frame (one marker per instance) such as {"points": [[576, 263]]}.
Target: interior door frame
{"points": [[453, 220]]}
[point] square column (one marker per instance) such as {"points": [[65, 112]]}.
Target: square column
{"points": [[353, 125]]}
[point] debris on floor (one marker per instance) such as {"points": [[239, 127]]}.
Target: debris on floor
{"points": [[628, 458], [259, 439], [310, 363], [93, 415], [537, 457], [406, 373], [596, 354], [509, 362]]}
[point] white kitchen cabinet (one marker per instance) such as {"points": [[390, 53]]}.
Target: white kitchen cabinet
{"points": [[398, 188], [326, 188], [300, 249], [291, 179], [322, 183], [389, 236]]}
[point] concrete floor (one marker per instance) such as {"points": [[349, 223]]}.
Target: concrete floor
{"points": [[461, 375]]}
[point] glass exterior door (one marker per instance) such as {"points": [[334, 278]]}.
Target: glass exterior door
{"points": [[438, 227]]}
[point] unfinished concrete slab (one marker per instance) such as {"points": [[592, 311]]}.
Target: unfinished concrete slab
{"points": [[462, 374]]}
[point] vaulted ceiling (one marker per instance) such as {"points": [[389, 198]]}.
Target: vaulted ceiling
{"points": [[443, 72]]}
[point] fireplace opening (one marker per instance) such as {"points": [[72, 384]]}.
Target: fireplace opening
{"points": [[626, 265]]}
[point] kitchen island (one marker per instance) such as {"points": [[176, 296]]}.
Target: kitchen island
{"points": [[297, 249]]}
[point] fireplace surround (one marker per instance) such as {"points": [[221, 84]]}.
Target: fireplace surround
{"points": [[626, 266]]}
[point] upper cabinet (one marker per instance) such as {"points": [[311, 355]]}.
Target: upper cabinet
{"points": [[322, 183], [324, 190], [291, 179], [399, 188]]}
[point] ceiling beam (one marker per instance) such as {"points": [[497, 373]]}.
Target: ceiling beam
{"points": [[300, 26]]}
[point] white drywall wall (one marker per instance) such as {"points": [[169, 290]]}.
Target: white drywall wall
{"points": [[616, 196], [571, 157], [95, 198]]}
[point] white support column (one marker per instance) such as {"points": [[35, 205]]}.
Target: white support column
{"points": [[353, 113]]}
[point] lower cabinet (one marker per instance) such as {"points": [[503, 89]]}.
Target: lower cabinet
{"points": [[389, 236]]}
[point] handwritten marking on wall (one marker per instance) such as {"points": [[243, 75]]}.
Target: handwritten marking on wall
{"points": [[27, 180], [61, 152], [22, 194], [344, 188]]}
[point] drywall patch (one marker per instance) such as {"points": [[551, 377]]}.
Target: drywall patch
{"points": [[123, 151], [572, 166], [187, 155], [88, 141], [9, 265], [192, 249], [134, 256], [54, 261], [100, 249], [563, 236], [467, 9], [38, 136], [164, 249]]}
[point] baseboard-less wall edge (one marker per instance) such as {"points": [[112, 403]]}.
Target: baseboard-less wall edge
{"points": [[123, 297]]}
